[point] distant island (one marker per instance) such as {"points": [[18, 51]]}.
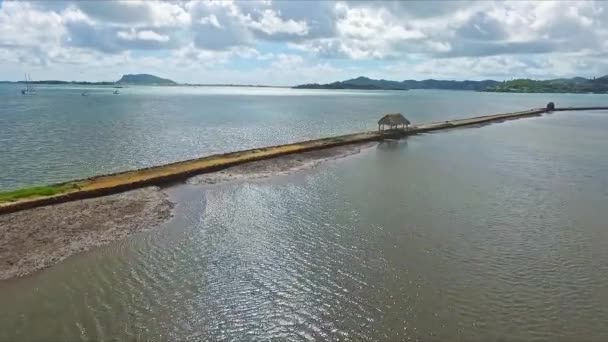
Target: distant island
{"points": [[362, 82], [144, 79], [62, 82], [129, 79], [560, 85], [597, 85], [357, 83]]}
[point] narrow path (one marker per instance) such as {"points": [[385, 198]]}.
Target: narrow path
{"points": [[165, 174]]}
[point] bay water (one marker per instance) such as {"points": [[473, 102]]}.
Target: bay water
{"points": [[490, 233]]}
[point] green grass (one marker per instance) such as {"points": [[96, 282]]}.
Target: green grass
{"points": [[37, 191]]}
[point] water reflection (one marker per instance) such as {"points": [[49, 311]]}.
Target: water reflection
{"points": [[482, 234], [393, 144]]}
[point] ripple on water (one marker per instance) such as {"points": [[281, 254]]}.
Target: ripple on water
{"points": [[478, 241]]}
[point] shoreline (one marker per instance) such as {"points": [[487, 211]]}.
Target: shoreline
{"points": [[280, 166], [37, 238], [110, 184]]}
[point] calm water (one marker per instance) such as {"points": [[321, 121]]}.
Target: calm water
{"points": [[59, 135], [494, 233]]}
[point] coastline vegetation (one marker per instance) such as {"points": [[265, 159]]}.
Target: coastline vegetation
{"points": [[366, 83], [597, 85], [560, 85], [129, 79], [36, 191]]}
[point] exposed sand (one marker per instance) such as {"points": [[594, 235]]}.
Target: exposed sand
{"points": [[33, 239], [279, 166]]}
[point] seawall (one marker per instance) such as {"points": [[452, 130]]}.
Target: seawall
{"points": [[174, 172]]}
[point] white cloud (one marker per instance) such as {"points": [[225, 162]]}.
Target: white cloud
{"points": [[367, 32], [285, 61], [142, 35], [191, 55], [23, 25], [271, 23], [304, 39], [210, 20], [135, 13]]}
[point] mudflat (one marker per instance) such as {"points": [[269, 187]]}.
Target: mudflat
{"points": [[33, 239]]}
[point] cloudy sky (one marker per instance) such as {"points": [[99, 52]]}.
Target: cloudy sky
{"points": [[292, 42]]}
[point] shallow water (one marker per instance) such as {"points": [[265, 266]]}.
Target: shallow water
{"points": [[59, 135], [491, 233]]}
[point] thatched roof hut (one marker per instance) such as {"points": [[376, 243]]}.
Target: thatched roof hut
{"points": [[393, 121]]}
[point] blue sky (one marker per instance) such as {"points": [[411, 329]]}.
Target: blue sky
{"points": [[293, 42]]}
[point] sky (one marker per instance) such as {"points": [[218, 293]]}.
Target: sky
{"points": [[293, 42]]}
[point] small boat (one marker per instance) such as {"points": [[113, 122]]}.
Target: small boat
{"points": [[29, 88], [85, 93], [116, 92]]}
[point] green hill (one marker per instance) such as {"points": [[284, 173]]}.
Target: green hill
{"points": [[144, 79], [560, 85], [357, 83], [368, 83]]}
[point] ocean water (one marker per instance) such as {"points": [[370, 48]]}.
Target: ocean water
{"points": [[490, 233], [59, 135]]}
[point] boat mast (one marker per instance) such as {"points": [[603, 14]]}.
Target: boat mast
{"points": [[30, 84], [29, 87]]}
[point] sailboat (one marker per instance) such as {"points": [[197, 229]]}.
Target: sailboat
{"points": [[29, 88]]}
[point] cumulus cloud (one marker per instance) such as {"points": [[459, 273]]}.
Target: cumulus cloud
{"points": [[148, 13], [142, 35], [270, 23], [246, 39], [21, 24]]}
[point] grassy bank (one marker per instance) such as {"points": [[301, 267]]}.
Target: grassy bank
{"points": [[36, 192]]}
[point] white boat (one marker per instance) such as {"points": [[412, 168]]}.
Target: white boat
{"points": [[116, 92], [29, 87], [85, 93]]}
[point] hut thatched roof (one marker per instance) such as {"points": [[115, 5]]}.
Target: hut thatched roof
{"points": [[393, 120]]}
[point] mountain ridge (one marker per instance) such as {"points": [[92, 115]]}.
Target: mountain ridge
{"points": [[574, 85], [144, 79], [363, 82]]}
